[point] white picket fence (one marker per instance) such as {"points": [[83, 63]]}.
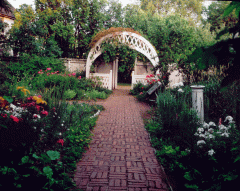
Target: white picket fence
{"points": [[138, 78], [106, 79]]}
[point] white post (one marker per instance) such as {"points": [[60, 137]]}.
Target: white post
{"points": [[197, 101], [110, 80], [69, 65], [116, 72], [133, 79]]}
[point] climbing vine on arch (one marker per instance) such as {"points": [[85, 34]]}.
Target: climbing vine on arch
{"points": [[126, 59]]}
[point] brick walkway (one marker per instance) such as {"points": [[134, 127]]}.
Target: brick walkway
{"points": [[120, 155]]}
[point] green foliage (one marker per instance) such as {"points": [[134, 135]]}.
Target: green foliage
{"points": [[224, 52], [175, 132], [69, 94], [43, 162], [213, 14], [31, 64]]}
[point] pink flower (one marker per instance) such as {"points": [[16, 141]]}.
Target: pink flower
{"points": [[79, 77], [39, 96], [147, 76], [30, 98], [73, 74], [61, 141], [44, 113], [154, 80], [220, 121], [140, 93], [14, 118], [151, 75], [69, 75], [48, 68]]}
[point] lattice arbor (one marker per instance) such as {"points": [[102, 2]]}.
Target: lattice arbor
{"points": [[133, 40]]}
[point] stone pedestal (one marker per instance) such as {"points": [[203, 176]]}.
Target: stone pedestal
{"points": [[197, 101]]}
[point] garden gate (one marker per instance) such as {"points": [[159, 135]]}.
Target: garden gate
{"points": [[133, 40]]}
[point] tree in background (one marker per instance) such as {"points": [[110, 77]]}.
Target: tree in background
{"points": [[213, 13], [190, 9]]}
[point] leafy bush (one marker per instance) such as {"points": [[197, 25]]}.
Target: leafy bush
{"points": [[31, 64], [69, 94]]}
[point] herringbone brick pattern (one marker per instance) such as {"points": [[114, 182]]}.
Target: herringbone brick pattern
{"points": [[120, 156]]}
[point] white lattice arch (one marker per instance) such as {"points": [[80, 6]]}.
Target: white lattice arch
{"points": [[133, 40]]}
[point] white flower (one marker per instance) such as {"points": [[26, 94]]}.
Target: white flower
{"points": [[60, 133], [205, 125], [188, 150], [228, 118], [202, 135], [180, 90], [210, 136], [222, 128], [200, 130], [211, 152], [212, 124], [225, 134], [34, 127], [210, 130], [42, 130], [180, 84], [62, 124], [196, 134], [200, 142], [12, 106]]}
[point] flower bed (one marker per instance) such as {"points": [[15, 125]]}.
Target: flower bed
{"points": [[41, 141], [196, 156]]}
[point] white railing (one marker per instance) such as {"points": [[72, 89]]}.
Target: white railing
{"points": [[106, 79]]}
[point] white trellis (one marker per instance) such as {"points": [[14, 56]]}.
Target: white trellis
{"points": [[133, 40]]}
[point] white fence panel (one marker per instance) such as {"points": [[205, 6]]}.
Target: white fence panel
{"points": [[106, 79]]}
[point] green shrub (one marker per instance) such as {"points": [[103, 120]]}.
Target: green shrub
{"points": [[31, 64], [69, 94]]}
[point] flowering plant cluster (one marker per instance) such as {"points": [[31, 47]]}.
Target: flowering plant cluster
{"points": [[210, 133], [178, 85], [57, 73]]}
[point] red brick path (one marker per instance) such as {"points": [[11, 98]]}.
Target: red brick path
{"points": [[120, 155]]}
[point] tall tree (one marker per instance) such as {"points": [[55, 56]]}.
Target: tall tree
{"points": [[190, 9]]}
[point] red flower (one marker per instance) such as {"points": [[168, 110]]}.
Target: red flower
{"points": [[38, 107], [44, 113], [4, 115], [14, 118], [164, 77], [142, 87], [61, 141]]}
